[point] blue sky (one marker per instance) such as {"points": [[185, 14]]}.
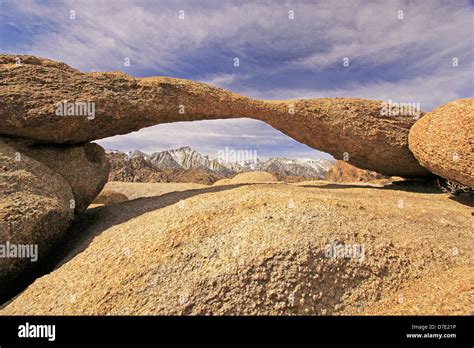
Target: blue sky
{"points": [[405, 60]]}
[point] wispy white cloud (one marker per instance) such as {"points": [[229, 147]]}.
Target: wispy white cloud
{"points": [[429, 91], [220, 80], [210, 136], [429, 32]]}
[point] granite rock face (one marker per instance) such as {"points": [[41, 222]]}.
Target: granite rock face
{"points": [[259, 249], [114, 103], [41, 188], [443, 141], [35, 210], [50, 102], [85, 167]]}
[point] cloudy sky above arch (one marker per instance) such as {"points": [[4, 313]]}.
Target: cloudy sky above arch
{"points": [[407, 60]]}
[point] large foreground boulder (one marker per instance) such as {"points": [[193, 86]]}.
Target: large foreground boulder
{"points": [[443, 141], [260, 249], [41, 187], [53, 103], [85, 167], [35, 210]]}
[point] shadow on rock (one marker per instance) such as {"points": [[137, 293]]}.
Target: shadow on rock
{"points": [[419, 186], [93, 222]]}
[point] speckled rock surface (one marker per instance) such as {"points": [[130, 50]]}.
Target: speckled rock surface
{"points": [[85, 167], [34, 210], [443, 141], [258, 249], [451, 292], [346, 128]]}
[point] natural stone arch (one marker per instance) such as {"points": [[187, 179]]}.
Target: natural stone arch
{"points": [[349, 129]]}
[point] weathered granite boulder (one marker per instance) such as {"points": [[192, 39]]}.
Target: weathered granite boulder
{"points": [[443, 141], [85, 167], [35, 210]]}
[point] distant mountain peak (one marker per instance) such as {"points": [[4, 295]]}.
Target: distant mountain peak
{"points": [[136, 153], [186, 158], [185, 148]]}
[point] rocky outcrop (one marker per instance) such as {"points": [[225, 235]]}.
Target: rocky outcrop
{"points": [[85, 167], [186, 165], [52, 103], [41, 188], [344, 172], [118, 103], [443, 141], [136, 169], [140, 169], [35, 210], [261, 249]]}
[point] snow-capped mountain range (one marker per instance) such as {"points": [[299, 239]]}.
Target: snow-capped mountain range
{"points": [[187, 158]]}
